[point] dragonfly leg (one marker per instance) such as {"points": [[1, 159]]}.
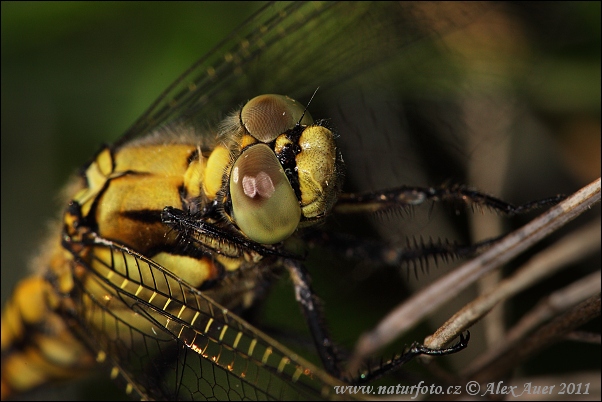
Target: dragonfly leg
{"points": [[408, 196], [414, 253], [415, 350], [310, 304]]}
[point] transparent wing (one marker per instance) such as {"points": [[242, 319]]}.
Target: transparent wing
{"points": [[170, 341], [418, 94], [295, 48], [374, 63]]}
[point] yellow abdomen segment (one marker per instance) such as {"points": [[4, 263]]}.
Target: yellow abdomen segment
{"points": [[37, 345]]}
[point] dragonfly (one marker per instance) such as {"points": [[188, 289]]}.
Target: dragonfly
{"points": [[371, 168]]}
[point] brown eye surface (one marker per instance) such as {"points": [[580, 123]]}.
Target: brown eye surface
{"points": [[267, 116], [264, 205]]}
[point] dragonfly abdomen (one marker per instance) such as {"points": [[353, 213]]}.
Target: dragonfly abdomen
{"points": [[37, 343]]}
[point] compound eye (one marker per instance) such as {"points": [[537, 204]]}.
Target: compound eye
{"points": [[264, 205], [267, 116]]}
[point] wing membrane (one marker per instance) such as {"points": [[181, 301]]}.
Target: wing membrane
{"points": [[188, 346], [294, 48]]}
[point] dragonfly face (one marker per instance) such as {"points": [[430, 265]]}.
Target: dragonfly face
{"points": [[377, 132]]}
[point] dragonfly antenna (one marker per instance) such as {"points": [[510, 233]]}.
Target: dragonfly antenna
{"points": [[308, 103]]}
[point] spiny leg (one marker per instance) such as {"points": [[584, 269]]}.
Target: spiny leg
{"points": [[351, 247], [329, 355], [415, 252], [415, 350], [314, 316], [408, 196]]}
